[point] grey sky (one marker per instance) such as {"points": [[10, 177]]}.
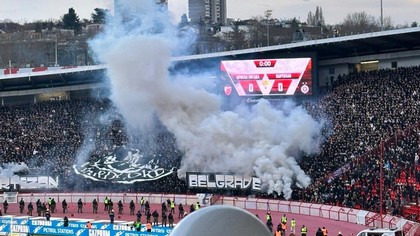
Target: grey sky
{"points": [[400, 11]]}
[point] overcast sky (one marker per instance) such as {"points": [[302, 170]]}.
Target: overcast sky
{"points": [[400, 11]]}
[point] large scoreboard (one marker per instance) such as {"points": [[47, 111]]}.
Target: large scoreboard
{"points": [[267, 77]]}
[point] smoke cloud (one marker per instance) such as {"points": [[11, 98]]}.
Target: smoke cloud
{"points": [[8, 170], [261, 139]]}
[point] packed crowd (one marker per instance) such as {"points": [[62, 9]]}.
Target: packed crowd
{"points": [[361, 109], [364, 109], [51, 137]]}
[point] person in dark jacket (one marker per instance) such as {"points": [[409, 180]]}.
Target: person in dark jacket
{"points": [[111, 216], [155, 215], [164, 218], [53, 205], [66, 221], [319, 232], [64, 205], [132, 207], [30, 208], [120, 207], [139, 215], [47, 214], [180, 211], [5, 206], [148, 215], [38, 207], [80, 206], [171, 219], [95, 206], [21, 205]]}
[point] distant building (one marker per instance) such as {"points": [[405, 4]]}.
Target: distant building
{"points": [[207, 11]]}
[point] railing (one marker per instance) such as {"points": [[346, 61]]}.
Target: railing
{"points": [[343, 214], [115, 197]]}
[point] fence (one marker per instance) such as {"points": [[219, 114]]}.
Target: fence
{"points": [[343, 214]]}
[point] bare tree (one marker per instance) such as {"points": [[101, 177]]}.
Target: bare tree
{"points": [[237, 37], [358, 22], [317, 18], [257, 32], [388, 23]]}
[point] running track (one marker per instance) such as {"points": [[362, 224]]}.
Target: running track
{"points": [[312, 223]]}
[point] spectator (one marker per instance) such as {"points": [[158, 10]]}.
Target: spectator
{"points": [[139, 215], [120, 207], [30, 208], [47, 214], [21, 205], [95, 206], [5, 206], [66, 221], [80, 206], [171, 219], [111, 217], [180, 211], [132, 207], [360, 110], [64, 205], [155, 215]]}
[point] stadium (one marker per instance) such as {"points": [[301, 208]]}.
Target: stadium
{"points": [[329, 127]]}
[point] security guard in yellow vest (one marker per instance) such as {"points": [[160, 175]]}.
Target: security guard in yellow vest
{"points": [[173, 207], [268, 216], [197, 206], [303, 230], [293, 226], [284, 219], [106, 201]]}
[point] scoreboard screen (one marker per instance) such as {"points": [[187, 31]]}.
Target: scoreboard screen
{"points": [[267, 77]]}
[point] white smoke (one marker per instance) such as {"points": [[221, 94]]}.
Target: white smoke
{"points": [[10, 169], [258, 140]]}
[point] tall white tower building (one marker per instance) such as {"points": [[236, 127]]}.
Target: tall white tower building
{"points": [[208, 11]]}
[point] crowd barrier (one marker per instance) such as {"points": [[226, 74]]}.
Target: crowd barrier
{"points": [[356, 216], [115, 197]]}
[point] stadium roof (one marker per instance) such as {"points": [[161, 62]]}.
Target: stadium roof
{"points": [[331, 48], [338, 47], [29, 78]]}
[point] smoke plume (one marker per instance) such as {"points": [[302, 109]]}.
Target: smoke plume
{"points": [[260, 140], [11, 169]]}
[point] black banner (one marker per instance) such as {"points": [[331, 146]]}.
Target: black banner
{"points": [[215, 181]]}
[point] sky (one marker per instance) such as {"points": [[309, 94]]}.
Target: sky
{"points": [[400, 11]]}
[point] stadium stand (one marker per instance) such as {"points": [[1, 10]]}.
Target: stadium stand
{"points": [[366, 108], [361, 109]]}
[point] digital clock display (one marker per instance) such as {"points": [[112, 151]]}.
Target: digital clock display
{"points": [[267, 77]]}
